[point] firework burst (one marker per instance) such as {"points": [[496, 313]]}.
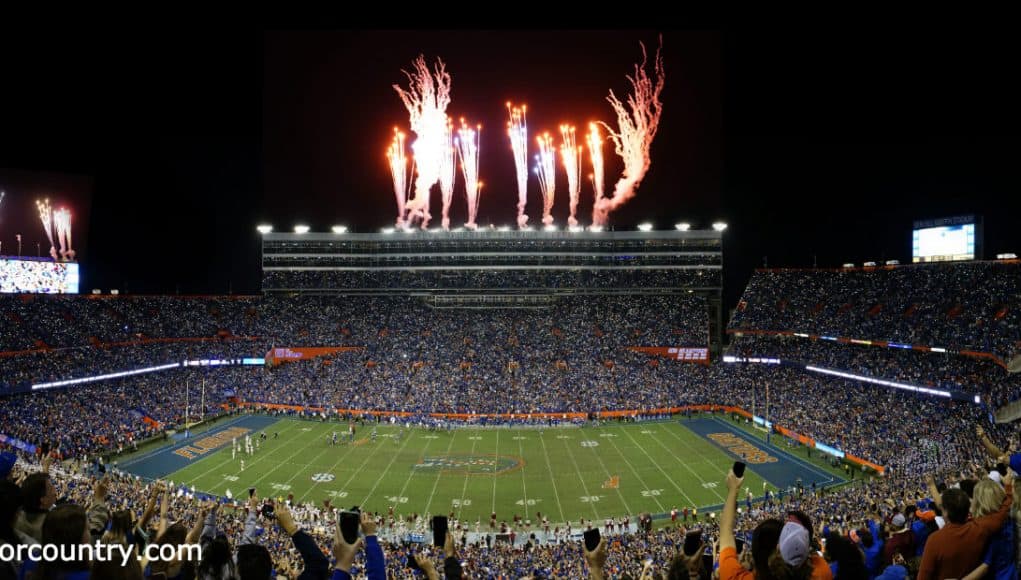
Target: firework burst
{"points": [[426, 100], [517, 130], [570, 156], [467, 143], [447, 173], [545, 169], [398, 161], [637, 122]]}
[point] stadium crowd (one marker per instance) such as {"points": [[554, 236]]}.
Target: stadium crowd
{"points": [[962, 306], [520, 279], [915, 524], [942, 370]]}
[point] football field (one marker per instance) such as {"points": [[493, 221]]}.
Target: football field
{"points": [[565, 473]]}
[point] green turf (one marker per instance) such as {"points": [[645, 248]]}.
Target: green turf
{"points": [[563, 473]]}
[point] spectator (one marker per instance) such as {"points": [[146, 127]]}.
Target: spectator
{"points": [[957, 549]]}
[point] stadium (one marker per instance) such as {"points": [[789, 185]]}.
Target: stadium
{"points": [[474, 401]]}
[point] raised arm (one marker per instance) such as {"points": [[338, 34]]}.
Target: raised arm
{"points": [[164, 506], [195, 531], [729, 512], [596, 560], [316, 564], [251, 523], [987, 443], [930, 484], [150, 508], [992, 523], [375, 565]]}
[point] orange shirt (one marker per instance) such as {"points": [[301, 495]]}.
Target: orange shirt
{"points": [[731, 568]]}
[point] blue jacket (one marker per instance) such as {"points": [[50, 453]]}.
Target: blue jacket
{"points": [[375, 566], [316, 564], [893, 572]]}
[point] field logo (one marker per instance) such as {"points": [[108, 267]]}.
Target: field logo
{"points": [[469, 464], [211, 442], [322, 477], [612, 483], [742, 448]]}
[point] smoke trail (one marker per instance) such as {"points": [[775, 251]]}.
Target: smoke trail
{"points": [[398, 161], [545, 168], [46, 216], [517, 130], [426, 100], [595, 149], [637, 123], [447, 173], [62, 221], [467, 142], [570, 156]]}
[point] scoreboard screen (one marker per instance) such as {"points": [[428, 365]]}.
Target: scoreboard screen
{"points": [[38, 277], [944, 243]]}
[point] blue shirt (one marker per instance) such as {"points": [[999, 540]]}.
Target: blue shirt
{"points": [[1000, 554]]}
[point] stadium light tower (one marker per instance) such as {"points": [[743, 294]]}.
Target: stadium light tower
{"points": [[683, 226], [264, 229], [301, 229], [719, 226], [645, 227], [339, 229]]}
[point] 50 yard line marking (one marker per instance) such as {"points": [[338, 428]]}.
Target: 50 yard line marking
{"points": [[524, 488], [475, 439], [439, 474], [494, 471]]}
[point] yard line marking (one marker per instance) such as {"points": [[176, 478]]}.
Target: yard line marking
{"points": [[467, 475], [407, 439], [685, 464], [297, 472], [494, 471], [259, 459], [365, 462], [581, 480], [553, 481], [609, 475], [439, 474], [524, 486], [661, 470], [635, 472], [350, 448]]}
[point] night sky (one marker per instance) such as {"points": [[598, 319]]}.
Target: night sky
{"points": [[812, 146]]}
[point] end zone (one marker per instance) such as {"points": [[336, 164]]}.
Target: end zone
{"points": [[166, 460], [777, 466]]}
